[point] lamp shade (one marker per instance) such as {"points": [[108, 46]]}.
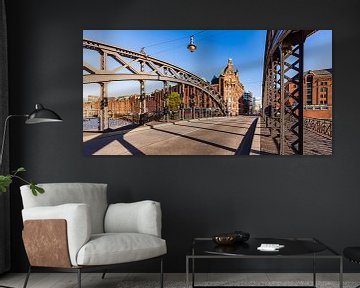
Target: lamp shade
{"points": [[42, 115]]}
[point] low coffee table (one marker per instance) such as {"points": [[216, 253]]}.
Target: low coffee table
{"points": [[294, 248]]}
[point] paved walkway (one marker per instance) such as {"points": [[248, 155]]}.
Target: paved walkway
{"points": [[209, 136], [314, 143]]}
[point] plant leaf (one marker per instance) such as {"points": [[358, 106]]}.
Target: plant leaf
{"points": [[36, 189], [5, 182], [20, 169], [39, 189]]}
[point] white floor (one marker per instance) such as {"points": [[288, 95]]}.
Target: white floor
{"points": [[119, 280]]}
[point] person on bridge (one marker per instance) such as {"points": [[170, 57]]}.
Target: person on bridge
{"points": [[267, 111]]}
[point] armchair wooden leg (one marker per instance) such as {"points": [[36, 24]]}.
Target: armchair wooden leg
{"points": [[103, 275], [27, 277], [79, 278], [161, 273]]}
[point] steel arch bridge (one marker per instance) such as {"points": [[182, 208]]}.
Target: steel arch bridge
{"points": [[284, 66], [141, 67]]}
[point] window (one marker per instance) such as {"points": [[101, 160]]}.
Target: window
{"points": [[323, 96], [309, 90]]}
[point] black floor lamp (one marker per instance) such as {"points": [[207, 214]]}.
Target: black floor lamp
{"points": [[39, 115]]}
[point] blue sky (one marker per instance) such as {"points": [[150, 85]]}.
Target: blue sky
{"points": [[245, 47]]}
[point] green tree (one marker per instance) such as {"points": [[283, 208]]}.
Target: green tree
{"points": [[175, 99]]}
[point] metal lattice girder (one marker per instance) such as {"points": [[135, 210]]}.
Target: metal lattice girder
{"points": [[292, 66], [285, 50], [275, 38], [157, 70], [275, 99]]}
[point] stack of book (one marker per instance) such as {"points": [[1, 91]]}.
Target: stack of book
{"points": [[270, 247]]}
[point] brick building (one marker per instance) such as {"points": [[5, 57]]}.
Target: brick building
{"points": [[91, 107], [230, 88], [317, 93], [247, 103], [119, 106], [155, 102]]}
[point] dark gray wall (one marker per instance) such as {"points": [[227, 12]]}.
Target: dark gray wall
{"points": [[276, 196]]}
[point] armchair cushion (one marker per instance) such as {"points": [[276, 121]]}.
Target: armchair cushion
{"points": [[113, 248], [138, 217], [77, 218], [92, 194]]}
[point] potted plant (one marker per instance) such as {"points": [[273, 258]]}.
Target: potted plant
{"points": [[6, 180]]}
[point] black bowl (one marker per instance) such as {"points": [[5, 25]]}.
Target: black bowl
{"points": [[241, 236]]}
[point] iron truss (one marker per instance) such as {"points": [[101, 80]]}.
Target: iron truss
{"points": [[141, 67], [283, 88]]}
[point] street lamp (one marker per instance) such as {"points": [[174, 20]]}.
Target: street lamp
{"points": [[192, 47]]}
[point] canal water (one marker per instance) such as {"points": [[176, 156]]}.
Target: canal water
{"points": [[92, 124]]}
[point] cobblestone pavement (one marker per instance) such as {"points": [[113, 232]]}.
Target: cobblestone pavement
{"points": [[314, 143], [267, 143]]}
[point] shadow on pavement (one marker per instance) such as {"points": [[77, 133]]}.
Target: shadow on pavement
{"points": [[203, 128], [92, 146], [196, 139], [245, 145]]}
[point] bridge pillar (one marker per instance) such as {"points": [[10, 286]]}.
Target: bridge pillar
{"points": [[166, 101], [202, 104], [104, 115], [182, 88], [142, 102], [142, 95], [265, 98], [282, 100], [292, 100], [275, 100], [192, 101]]}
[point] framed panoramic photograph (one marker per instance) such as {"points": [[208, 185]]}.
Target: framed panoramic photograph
{"points": [[207, 92]]}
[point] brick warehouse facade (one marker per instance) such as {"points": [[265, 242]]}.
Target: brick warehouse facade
{"points": [[155, 102], [317, 93]]}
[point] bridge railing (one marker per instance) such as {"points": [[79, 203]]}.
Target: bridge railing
{"points": [[321, 126], [132, 120], [185, 114]]}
